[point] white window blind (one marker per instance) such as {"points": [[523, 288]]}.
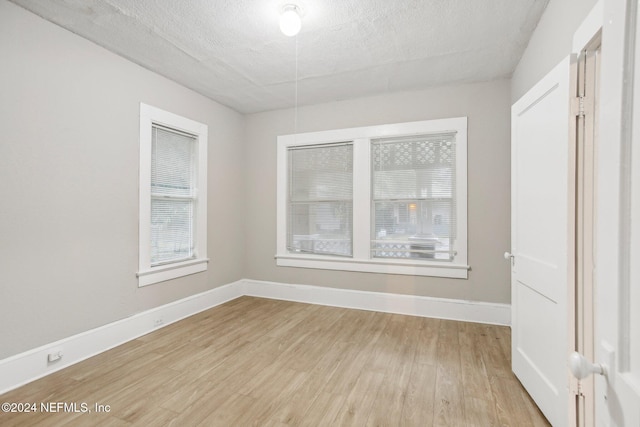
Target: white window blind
{"points": [[320, 199], [414, 197], [173, 195]]}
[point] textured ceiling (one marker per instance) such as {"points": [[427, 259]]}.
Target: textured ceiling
{"points": [[234, 53]]}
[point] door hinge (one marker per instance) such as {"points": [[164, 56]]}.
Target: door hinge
{"points": [[575, 387], [577, 106]]}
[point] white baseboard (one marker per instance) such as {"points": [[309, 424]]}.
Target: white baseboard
{"points": [[28, 366], [25, 367], [441, 308]]}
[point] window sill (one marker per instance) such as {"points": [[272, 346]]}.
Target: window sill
{"points": [[163, 273], [409, 267]]}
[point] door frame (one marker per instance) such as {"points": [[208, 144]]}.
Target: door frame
{"points": [[583, 141], [583, 274], [618, 393]]}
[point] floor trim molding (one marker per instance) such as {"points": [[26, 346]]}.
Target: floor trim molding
{"points": [[441, 308], [31, 365]]}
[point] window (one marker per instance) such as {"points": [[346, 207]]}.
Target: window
{"points": [[173, 227], [413, 196], [320, 199], [381, 199]]}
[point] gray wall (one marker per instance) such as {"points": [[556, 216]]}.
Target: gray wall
{"points": [[487, 106], [69, 179], [551, 41], [69, 115]]}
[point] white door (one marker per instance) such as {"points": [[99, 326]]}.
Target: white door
{"points": [[540, 240], [618, 220]]}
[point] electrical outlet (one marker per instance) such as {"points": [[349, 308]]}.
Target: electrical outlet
{"points": [[158, 322], [54, 355]]}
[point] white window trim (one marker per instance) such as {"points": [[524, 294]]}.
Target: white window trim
{"points": [[362, 260], [148, 275]]}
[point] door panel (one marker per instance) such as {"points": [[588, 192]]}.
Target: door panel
{"points": [[538, 274], [540, 217], [536, 330]]}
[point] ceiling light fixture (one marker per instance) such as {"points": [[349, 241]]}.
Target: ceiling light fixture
{"points": [[290, 22]]}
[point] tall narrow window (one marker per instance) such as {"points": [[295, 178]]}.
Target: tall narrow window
{"points": [[173, 177], [414, 197], [320, 199], [173, 196]]}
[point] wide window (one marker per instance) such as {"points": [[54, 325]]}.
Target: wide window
{"points": [[382, 199], [172, 196]]}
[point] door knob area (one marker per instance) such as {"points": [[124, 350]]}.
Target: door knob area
{"points": [[582, 368]]}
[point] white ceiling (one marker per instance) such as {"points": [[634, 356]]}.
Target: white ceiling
{"points": [[234, 53]]}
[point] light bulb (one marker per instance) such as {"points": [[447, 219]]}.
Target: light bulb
{"points": [[290, 22]]}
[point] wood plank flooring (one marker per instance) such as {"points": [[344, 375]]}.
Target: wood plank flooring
{"points": [[265, 362]]}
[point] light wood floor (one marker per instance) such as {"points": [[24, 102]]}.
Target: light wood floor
{"points": [[274, 363]]}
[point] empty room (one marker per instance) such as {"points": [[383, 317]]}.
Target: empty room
{"points": [[334, 212]]}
